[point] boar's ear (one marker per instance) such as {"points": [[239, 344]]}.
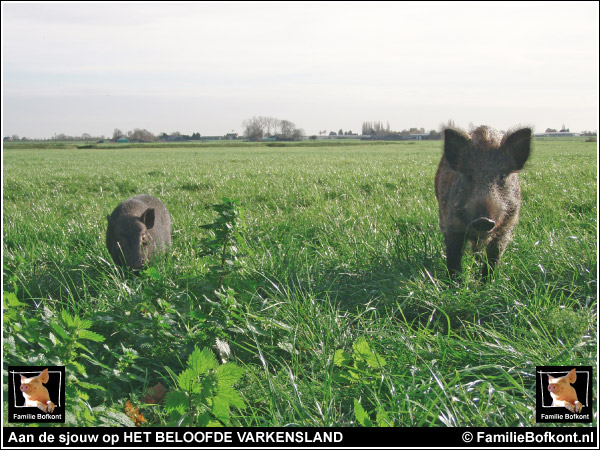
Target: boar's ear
{"points": [[572, 376], [148, 218], [518, 145], [23, 378], [454, 143]]}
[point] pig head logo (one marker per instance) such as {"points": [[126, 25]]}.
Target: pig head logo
{"points": [[563, 394], [35, 392]]}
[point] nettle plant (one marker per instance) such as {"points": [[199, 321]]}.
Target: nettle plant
{"points": [[204, 392], [360, 369], [225, 248], [226, 243]]}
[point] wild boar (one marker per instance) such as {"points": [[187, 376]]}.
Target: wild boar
{"points": [[138, 228], [478, 192]]}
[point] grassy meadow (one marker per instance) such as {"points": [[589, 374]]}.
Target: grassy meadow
{"points": [[335, 302]]}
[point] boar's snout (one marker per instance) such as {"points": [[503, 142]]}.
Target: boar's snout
{"points": [[483, 224]]}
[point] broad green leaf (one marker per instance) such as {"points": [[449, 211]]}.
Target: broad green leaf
{"points": [[228, 374], [67, 319], [362, 351], [383, 418], [220, 409], [187, 379], [232, 397], [87, 334], [341, 358], [361, 415], [176, 401], [10, 300], [86, 385], [201, 361]]}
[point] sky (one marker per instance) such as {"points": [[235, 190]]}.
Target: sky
{"points": [[205, 67]]}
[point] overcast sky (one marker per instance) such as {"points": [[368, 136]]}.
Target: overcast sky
{"points": [[78, 68]]}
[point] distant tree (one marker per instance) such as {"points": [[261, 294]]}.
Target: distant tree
{"points": [[313, 137], [117, 134], [141, 135], [253, 129], [14, 137], [550, 130], [341, 132], [332, 133], [367, 128], [297, 134], [434, 135], [286, 129], [259, 126], [270, 124]]}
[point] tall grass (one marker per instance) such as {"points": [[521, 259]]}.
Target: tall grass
{"points": [[344, 254]]}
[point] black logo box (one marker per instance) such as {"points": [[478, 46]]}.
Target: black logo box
{"points": [[18, 412], [546, 413]]}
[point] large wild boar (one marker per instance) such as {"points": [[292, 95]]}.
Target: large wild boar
{"points": [[137, 228], [478, 191]]}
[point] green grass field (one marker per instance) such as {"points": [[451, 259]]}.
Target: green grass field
{"points": [[339, 311]]}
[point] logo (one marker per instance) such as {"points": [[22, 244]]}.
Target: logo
{"points": [[36, 394], [564, 394]]}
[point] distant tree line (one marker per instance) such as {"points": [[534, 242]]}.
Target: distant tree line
{"points": [[259, 127], [376, 130]]}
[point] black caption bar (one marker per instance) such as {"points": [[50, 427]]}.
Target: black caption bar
{"points": [[22, 437]]}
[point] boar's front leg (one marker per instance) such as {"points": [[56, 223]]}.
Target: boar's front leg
{"points": [[493, 252], [455, 243]]}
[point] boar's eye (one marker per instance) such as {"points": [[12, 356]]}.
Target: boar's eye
{"points": [[145, 238]]}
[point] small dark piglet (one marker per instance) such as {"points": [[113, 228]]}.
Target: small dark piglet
{"points": [[138, 228], [478, 191]]}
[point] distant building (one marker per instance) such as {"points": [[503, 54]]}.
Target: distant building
{"points": [[122, 140]]}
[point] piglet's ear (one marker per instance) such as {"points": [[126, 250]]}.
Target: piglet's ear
{"points": [[572, 377], [23, 379], [454, 144], [148, 218], [518, 145], [44, 376]]}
